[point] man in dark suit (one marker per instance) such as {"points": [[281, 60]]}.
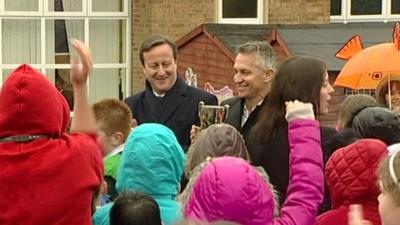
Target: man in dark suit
{"points": [[254, 68], [167, 99]]}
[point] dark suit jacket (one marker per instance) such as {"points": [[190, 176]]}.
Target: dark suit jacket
{"points": [[234, 118], [178, 109]]}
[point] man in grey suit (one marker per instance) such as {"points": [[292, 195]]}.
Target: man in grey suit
{"points": [[254, 68], [167, 99]]}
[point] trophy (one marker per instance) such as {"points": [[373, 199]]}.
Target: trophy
{"points": [[212, 114]]}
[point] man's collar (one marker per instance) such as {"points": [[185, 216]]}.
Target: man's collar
{"points": [[251, 110], [175, 86], [158, 95]]}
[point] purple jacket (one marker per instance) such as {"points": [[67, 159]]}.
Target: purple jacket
{"points": [[231, 189]]}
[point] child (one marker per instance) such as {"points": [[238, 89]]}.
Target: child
{"points": [[47, 175], [114, 119], [229, 188], [389, 199], [152, 162], [379, 123], [135, 208], [351, 178], [216, 140], [349, 108]]}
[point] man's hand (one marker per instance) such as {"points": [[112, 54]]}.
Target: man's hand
{"points": [[194, 133]]}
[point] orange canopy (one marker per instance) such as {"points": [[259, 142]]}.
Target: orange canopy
{"points": [[365, 69]]}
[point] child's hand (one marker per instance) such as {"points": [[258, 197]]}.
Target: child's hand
{"points": [[80, 71], [298, 110], [356, 217]]}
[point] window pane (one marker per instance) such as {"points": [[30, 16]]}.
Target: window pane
{"points": [[395, 7], [21, 5], [65, 5], [58, 34], [107, 5], [6, 74], [60, 78], [366, 7], [21, 41], [111, 32], [336, 7], [239, 9], [106, 83]]}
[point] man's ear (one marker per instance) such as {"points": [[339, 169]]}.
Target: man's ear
{"points": [[268, 75]]}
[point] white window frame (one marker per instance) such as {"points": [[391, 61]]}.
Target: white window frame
{"points": [[19, 13], [385, 16], [258, 20], [43, 14], [108, 14], [64, 14]]}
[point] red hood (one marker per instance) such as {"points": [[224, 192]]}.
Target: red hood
{"points": [[30, 104], [351, 173]]}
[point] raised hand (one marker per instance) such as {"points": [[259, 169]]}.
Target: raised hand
{"points": [[299, 110], [80, 71], [83, 120]]}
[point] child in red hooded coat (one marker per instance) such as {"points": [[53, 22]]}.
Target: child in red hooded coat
{"points": [[47, 175]]}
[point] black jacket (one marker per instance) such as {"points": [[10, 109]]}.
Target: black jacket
{"points": [[178, 109], [234, 118]]}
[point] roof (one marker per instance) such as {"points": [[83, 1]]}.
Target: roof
{"points": [[228, 37], [321, 41], [233, 35]]}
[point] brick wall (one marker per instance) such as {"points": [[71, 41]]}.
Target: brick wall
{"points": [[173, 18], [176, 18], [298, 11]]}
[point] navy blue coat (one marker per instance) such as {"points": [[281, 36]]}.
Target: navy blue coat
{"points": [[178, 109]]}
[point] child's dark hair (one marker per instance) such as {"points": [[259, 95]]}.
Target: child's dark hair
{"points": [[135, 208]]}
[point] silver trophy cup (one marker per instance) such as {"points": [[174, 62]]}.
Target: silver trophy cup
{"points": [[212, 114]]}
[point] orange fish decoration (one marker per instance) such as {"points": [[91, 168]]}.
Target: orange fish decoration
{"points": [[366, 67], [352, 47], [396, 35]]}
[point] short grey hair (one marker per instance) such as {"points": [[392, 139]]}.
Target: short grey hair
{"points": [[264, 52]]}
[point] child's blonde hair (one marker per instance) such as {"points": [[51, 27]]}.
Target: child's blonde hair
{"points": [[389, 174], [115, 116]]}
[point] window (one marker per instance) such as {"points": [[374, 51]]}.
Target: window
{"points": [[239, 11], [38, 32], [365, 10], [336, 7]]}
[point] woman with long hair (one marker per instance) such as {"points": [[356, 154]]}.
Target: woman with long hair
{"points": [[298, 78]]}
